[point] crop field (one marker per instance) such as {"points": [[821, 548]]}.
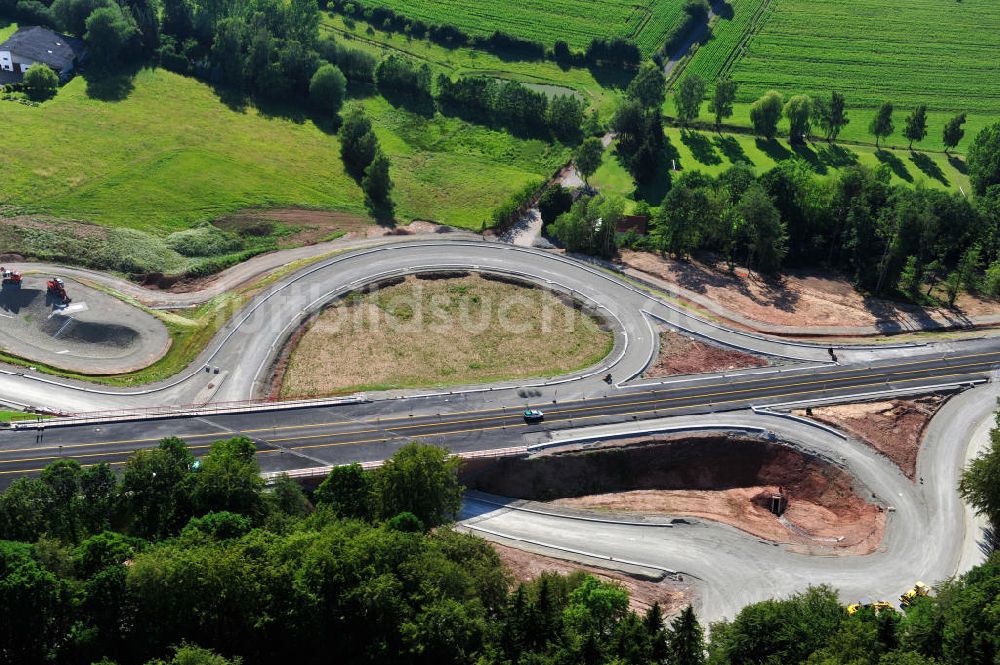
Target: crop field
{"points": [[943, 54], [646, 22], [735, 23]]}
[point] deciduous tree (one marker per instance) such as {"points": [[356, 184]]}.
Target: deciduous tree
{"points": [[327, 89], [588, 157], [358, 144], [721, 104], [347, 491], [831, 114], [377, 186], [984, 159], [648, 87], [40, 83], [881, 125], [765, 114], [798, 110], [916, 125], [422, 480], [953, 132], [688, 99]]}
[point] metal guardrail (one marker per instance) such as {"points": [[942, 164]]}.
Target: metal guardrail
{"points": [[861, 397], [164, 412], [638, 431]]}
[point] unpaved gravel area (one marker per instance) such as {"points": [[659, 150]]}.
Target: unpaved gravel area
{"points": [[729, 480], [95, 334], [798, 298], [526, 566], [680, 354], [430, 332], [895, 427]]}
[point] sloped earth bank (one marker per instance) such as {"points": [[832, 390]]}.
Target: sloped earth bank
{"points": [[798, 298], [526, 566], [895, 427], [680, 354], [725, 479]]}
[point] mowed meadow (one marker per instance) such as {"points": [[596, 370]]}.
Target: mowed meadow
{"points": [[171, 153], [646, 22], [942, 54]]}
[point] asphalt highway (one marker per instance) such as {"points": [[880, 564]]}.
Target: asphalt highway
{"points": [[299, 438]]}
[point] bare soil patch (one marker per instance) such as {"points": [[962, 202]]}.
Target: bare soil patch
{"points": [[526, 566], [427, 332], [311, 226], [798, 298], [726, 479], [682, 355], [895, 427]]}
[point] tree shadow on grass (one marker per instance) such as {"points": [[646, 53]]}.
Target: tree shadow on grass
{"points": [[895, 163], [837, 156], [732, 150], [611, 77], [110, 87], [928, 166], [805, 152], [701, 148], [671, 157], [958, 164], [773, 149], [654, 191], [422, 105]]}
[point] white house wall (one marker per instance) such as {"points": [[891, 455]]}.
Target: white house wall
{"points": [[6, 62]]}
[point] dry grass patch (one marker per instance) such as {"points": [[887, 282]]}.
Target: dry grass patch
{"points": [[433, 332]]}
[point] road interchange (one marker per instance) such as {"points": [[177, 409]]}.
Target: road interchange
{"points": [[481, 418]]}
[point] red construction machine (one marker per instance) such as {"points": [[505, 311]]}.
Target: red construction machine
{"points": [[11, 278], [57, 289]]}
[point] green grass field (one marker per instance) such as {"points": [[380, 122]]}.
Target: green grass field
{"points": [[909, 52], [6, 29], [473, 62], [713, 153], [647, 22], [171, 154]]}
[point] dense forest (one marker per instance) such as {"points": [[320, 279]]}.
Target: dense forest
{"points": [[201, 563]]}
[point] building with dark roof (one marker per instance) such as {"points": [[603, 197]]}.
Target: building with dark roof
{"points": [[36, 44]]}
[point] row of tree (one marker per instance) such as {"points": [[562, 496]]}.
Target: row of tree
{"points": [[611, 52], [366, 163], [803, 113]]}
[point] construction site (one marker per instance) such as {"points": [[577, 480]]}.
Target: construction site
{"points": [[68, 326]]}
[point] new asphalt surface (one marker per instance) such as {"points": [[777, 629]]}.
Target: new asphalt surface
{"points": [[371, 431]]}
